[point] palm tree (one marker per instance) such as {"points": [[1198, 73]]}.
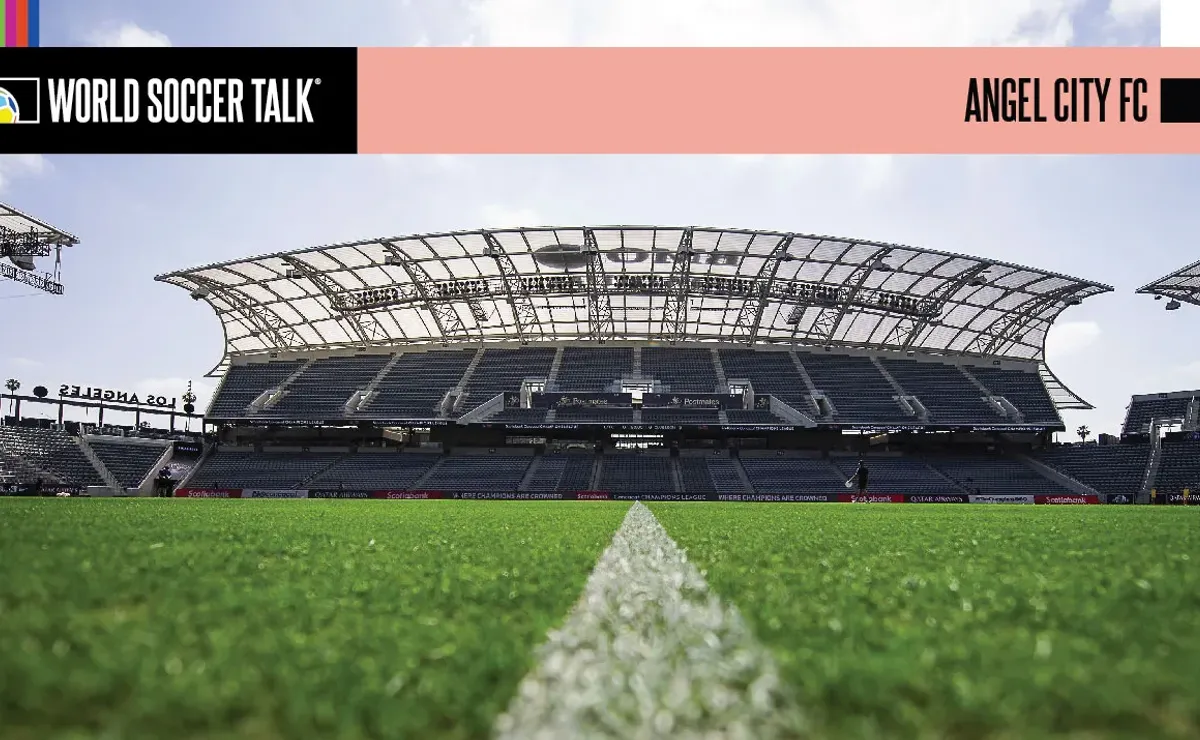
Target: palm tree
{"points": [[1083, 432], [13, 385]]}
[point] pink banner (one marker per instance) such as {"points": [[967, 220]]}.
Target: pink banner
{"points": [[751, 101]]}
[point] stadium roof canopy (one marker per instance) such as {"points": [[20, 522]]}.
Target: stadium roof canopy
{"points": [[1182, 285], [15, 224], [633, 282]]}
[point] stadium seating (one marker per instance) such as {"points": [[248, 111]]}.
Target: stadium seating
{"points": [[503, 370], [680, 370], [477, 473], [1179, 467], [129, 463], [898, 475], [949, 396], [416, 384], [244, 383], [710, 474], [1111, 469], [321, 391], [268, 470], [793, 475], [562, 473], [752, 416], [859, 392], [588, 369], [689, 417], [1142, 410], [622, 473], [772, 373], [995, 475], [376, 471], [1023, 389], [51, 452], [519, 416], [593, 415]]}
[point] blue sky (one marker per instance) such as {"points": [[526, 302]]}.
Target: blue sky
{"points": [[1117, 220]]}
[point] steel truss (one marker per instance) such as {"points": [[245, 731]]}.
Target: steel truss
{"points": [[641, 283]]}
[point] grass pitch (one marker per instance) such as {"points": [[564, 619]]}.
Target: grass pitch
{"points": [[967, 621], [279, 619], [289, 619]]}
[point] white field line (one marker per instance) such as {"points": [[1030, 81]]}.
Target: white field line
{"points": [[650, 652]]}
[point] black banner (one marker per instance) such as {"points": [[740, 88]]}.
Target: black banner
{"points": [[702, 401], [356, 493], [200, 100], [945, 498], [1178, 499], [581, 400], [510, 496], [790, 498], [662, 496], [1120, 498]]}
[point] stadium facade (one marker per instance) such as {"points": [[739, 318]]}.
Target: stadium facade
{"points": [[639, 361]]}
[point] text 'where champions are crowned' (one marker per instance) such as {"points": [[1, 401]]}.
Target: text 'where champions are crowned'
{"points": [[186, 100]]}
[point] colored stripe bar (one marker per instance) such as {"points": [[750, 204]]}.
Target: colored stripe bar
{"points": [[35, 27], [22, 22], [10, 22]]}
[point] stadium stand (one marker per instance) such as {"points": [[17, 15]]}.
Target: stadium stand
{"points": [[779, 474], [898, 475], [382, 470], [1109, 469], [567, 472], [1023, 389], [594, 415], [1143, 410], [689, 417], [323, 388], [752, 416], [859, 391], [996, 476], [587, 369], [48, 454], [243, 384], [503, 370], [416, 384], [269, 470], [129, 462], [477, 473], [771, 373], [636, 474], [1179, 468], [681, 370], [948, 394]]}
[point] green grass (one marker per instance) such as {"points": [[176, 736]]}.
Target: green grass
{"points": [[279, 619], [967, 621]]}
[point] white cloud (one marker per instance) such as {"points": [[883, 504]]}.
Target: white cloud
{"points": [[773, 22], [129, 35], [1131, 12], [495, 216], [16, 166], [23, 363], [437, 163], [1070, 337]]}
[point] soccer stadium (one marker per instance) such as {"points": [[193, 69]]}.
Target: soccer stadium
{"points": [[708, 405]]}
